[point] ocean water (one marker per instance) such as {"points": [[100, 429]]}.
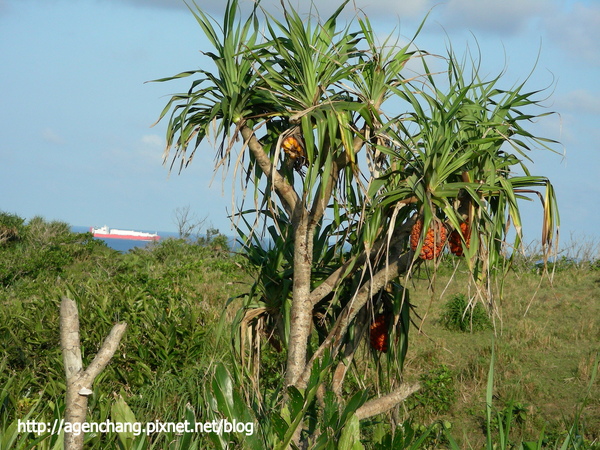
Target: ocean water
{"points": [[124, 245]]}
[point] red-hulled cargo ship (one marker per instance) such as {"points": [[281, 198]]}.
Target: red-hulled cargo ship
{"points": [[113, 233]]}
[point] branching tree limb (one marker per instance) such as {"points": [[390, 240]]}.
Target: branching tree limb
{"points": [[387, 402], [284, 190], [332, 281], [79, 381], [396, 268]]}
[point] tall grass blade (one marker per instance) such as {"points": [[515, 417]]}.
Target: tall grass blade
{"points": [[489, 395]]}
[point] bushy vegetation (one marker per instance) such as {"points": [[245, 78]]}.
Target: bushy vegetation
{"points": [[37, 248], [171, 295], [175, 361], [461, 315]]}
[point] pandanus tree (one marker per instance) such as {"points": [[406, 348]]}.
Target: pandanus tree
{"points": [[359, 170]]}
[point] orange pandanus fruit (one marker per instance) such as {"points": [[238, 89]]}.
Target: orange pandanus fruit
{"points": [[434, 241], [455, 239], [293, 147], [379, 333]]}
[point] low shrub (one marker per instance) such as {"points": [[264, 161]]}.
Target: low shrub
{"points": [[437, 393], [11, 228], [459, 315]]}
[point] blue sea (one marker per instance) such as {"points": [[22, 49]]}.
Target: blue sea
{"points": [[124, 245]]}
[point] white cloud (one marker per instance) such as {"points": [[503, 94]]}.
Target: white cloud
{"points": [[153, 140], [580, 101], [393, 9], [150, 149], [49, 135], [405, 7], [577, 31], [492, 16], [138, 155], [173, 4]]}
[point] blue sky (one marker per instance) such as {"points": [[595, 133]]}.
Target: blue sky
{"points": [[75, 119]]}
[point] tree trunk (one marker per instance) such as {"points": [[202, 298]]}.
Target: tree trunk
{"points": [[301, 311]]}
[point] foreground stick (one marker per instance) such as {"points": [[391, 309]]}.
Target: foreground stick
{"points": [[79, 381]]}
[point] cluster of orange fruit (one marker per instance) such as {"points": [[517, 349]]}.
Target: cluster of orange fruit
{"points": [[455, 239], [293, 147], [379, 333], [435, 239]]}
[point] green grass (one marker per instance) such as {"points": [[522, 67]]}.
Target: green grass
{"points": [[545, 338], [547, 335]]}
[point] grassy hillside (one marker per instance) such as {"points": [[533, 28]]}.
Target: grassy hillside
{"points": [[547, 338], [545, 334]]}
